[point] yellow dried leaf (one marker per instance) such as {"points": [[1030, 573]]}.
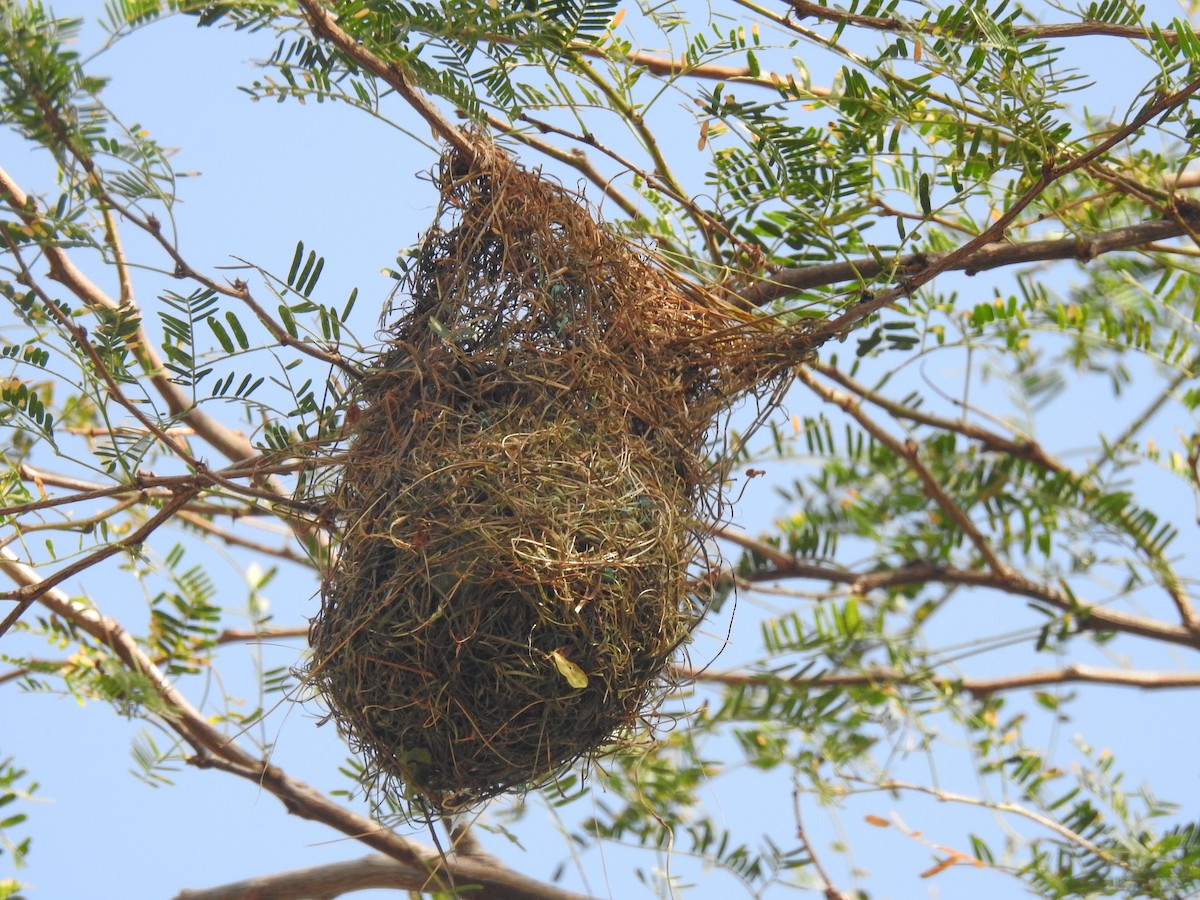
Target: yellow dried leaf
{"points": [[939, 868], [575, 676]]}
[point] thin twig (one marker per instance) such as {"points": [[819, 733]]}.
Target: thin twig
{"points": [[977, 687], [1086, 617], [228, 636], [910, 452], [84, 525], [670, 67], [1030, 450], [236, 540], [576, 159], [229, 443], [915, 572], [29, 593], [1021, 448], [831, 892], [1053, 31], [650, 143], [1005, 807], [160, 487], [1187, 373], [112, 386]]}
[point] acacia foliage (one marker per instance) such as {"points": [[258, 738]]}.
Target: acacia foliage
{"points": [[996, 448]]}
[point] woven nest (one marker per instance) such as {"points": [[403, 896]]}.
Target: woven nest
{"points": [[522, 512]]}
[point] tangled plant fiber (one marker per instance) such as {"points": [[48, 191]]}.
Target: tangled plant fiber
{"points": [[522, 511]]}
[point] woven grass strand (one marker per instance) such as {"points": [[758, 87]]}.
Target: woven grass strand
{"points": [[520, 513]]}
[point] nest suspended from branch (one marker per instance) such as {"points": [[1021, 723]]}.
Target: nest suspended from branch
{"points": [[525, 498]]}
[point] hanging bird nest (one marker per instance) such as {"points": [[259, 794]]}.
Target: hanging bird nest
{"points": [[523, 507]]}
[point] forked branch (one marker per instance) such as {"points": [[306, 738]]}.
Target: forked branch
{"points": [[1087, 617]]}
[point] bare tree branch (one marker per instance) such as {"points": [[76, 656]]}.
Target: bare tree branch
{"points": [[334, 880], [1087, 617], [978, 687], [1083, 248]]}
